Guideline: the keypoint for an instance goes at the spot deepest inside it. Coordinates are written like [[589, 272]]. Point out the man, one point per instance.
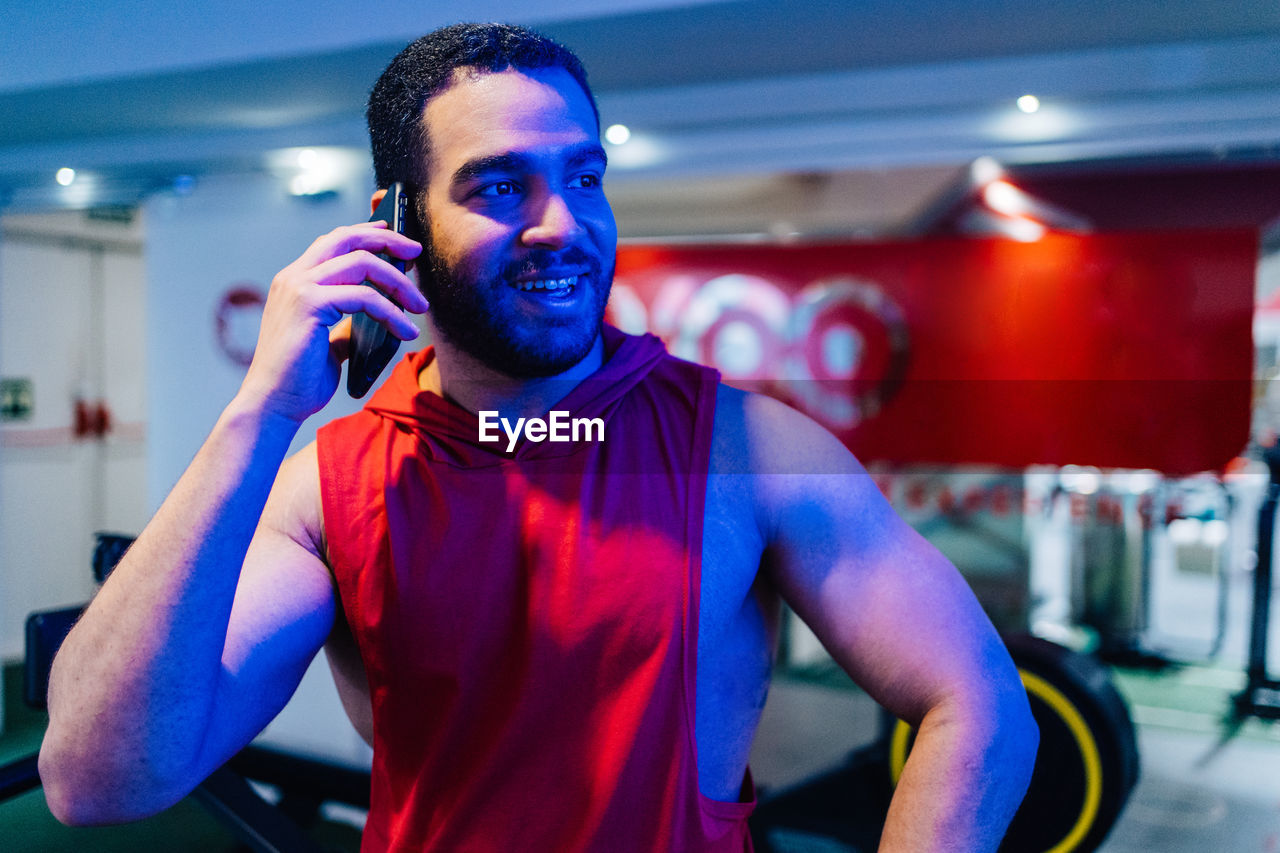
[[551, 646]]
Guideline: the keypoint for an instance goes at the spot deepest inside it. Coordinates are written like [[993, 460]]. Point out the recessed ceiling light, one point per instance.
[[617, 134], [306, 183]]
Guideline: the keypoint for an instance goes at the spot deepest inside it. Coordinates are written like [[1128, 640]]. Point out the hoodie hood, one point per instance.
[[451, 434]]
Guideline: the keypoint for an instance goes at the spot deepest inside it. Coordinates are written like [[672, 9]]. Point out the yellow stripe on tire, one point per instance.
[[1061, 705]]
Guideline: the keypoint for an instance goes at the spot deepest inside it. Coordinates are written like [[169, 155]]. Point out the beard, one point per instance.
[[478, 313]]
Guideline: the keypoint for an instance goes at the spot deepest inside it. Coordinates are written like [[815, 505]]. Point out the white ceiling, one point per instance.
[[139, 91]]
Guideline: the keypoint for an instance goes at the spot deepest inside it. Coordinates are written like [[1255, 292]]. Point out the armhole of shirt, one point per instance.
[[708, 382], [337, 491]]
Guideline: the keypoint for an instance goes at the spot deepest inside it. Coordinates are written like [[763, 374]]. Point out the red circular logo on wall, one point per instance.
[[237, 321]]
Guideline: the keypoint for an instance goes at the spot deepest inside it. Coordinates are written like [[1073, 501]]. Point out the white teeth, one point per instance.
[[548, 283]]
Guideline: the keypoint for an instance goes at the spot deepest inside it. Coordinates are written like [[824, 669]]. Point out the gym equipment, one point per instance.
[[1261, 695], [304, 784], [1122, 525], [1085, 770]]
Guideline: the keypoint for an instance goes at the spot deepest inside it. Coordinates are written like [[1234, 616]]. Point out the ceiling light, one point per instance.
[[1024, 230], [316, 170], [1004, 197], [640, 152], [617, 134], [1009, 200], [65, 176], [986, 223], [1028, 103], [306, 183], [984, 170]]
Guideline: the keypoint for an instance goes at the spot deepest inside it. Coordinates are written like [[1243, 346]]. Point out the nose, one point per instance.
[[553, 225]]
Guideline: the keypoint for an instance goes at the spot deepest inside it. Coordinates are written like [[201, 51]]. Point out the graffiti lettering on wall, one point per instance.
[[838, 349], [958, 492]]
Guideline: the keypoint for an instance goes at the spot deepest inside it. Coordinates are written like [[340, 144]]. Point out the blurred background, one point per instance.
[[1022, 257]]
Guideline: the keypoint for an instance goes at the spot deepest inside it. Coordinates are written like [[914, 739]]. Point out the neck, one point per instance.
[[458, 376]]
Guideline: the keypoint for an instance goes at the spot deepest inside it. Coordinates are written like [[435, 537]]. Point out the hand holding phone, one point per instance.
[[372, 346]]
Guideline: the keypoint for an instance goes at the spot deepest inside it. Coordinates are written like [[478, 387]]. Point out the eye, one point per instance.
[[586, 181], [501, 188]]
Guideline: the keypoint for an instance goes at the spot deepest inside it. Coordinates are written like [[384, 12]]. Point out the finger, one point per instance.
[[361, 266], [340, 339], [350, 298], [370, 236]]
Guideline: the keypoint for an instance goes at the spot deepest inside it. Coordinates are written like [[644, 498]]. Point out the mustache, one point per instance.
[[539, 260]]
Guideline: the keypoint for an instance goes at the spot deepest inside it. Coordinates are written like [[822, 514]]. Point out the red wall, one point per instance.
[[1118, 350]]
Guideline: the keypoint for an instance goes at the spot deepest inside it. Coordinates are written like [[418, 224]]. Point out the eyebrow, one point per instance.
[[516, 161]]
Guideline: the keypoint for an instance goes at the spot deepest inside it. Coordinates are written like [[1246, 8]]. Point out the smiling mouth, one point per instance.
[[549, 286]]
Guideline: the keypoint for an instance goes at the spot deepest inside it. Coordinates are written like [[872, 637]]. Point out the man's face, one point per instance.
[[520, 241]]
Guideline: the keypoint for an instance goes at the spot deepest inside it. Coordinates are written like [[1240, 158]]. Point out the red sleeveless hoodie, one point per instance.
[[528, 620]]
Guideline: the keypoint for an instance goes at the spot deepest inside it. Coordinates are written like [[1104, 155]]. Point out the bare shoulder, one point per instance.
[[758, 434], [798, 472]]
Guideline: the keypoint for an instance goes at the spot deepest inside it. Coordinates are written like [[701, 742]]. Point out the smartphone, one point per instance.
[[372, 346]]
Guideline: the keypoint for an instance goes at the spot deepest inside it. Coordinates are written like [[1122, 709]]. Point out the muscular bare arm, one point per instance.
[[183, 657], [902, 622]]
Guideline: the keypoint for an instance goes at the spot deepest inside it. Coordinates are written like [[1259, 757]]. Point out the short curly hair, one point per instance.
[[397, 135]]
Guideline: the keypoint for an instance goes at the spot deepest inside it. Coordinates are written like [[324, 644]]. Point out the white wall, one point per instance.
[[71, 320]]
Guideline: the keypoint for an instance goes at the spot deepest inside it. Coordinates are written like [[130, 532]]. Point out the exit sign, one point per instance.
[[16, 400]]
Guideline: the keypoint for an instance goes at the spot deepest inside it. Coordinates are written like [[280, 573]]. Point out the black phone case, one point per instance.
[[372, 346]]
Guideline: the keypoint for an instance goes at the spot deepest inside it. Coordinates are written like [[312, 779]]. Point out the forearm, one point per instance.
[[133, 692], [964, 779], [132, 688]]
